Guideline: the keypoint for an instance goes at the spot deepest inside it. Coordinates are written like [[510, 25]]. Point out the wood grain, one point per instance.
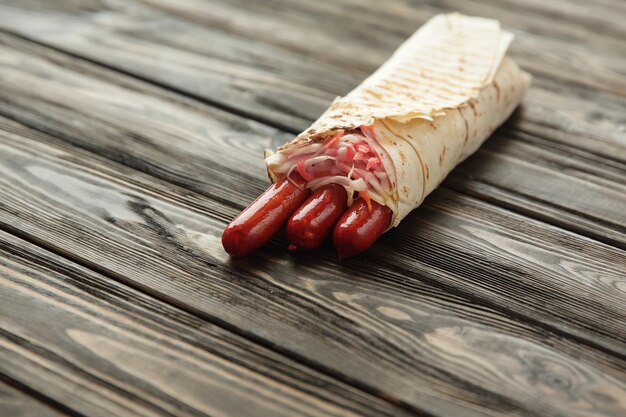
[[417, 335], [467, 309], [179, 149], [191, 161], [15, 403], [569, 126], [365, 26], [257, 49], [101, 348], [564, 190], [149, 132]]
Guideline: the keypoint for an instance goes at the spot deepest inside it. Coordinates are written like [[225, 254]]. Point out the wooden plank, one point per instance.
[[15, 403], [579, 120], [399, 313], [150, 132], [579, 191], [101, 348], [366, 26], [265, 68], [571, 192], [471, 286], [184, 161], [564, 114]]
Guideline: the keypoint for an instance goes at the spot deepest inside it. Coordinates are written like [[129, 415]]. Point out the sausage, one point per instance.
[[262, 219], [315, 219], [359, 227]]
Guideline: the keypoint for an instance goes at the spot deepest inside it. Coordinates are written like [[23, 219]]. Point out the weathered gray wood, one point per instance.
[[573, 119], [366, 25], [190, 144], [373, 32], [569, 191], [101, 348], [156, 132], [195, 160], [275, 64], [447, 333], [467, 309], [15, 403]]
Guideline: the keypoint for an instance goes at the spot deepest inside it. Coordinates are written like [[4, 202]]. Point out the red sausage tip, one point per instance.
[[359, 227], [232, 243], [264, 217], [309, 226]]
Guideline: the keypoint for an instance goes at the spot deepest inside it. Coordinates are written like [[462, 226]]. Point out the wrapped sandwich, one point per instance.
[[376, 153]]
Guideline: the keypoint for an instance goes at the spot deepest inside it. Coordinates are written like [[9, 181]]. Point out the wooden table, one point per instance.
[[131, 132]]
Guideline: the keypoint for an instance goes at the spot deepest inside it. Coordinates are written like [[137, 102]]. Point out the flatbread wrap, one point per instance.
[[393, 139]]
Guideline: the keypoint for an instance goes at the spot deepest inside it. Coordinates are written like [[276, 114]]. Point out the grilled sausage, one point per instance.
[[262, 219], [359, 227], [315, 219]]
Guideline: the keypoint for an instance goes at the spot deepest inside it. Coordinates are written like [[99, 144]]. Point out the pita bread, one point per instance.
[[431, 105]]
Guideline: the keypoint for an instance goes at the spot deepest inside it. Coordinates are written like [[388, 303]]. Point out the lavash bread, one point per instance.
[[432, 104]]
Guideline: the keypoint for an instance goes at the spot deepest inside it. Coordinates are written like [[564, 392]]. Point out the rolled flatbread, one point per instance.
[[397, 135]]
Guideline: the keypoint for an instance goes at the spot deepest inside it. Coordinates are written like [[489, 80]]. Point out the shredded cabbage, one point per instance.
[[344, 159]]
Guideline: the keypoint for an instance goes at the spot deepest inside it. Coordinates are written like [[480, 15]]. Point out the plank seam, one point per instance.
[[38, 396], [236, 112], [583, 156], [454, 175], [613, 159], [149, 303], [512, 314], [565, 227], [329, 372], [215, 104], [41, 351]]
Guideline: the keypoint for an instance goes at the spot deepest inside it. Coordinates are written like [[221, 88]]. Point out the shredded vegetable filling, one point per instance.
[[344, 159]]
